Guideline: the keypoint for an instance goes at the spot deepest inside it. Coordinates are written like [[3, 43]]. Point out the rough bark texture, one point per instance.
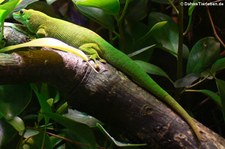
[[108, 95]]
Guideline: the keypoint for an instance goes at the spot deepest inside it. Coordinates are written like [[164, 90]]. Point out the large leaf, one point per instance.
[[9, 7], [12, 104], [155, 28], [203, 54], [82, 118], [221, 88], [17, 123], [83, 132], [111, 7], [141, 36], [167, 35], [14, 99], [5, 10]]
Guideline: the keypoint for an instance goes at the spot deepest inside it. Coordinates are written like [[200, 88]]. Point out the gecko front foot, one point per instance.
[[90, 49]]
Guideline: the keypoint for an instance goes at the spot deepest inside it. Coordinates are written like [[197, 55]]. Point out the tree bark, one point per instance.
[[108, 95]]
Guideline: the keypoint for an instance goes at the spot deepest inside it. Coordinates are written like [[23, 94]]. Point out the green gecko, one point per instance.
[[96, 48]]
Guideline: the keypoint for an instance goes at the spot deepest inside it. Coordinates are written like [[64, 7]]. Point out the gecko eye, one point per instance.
[[21, 12]]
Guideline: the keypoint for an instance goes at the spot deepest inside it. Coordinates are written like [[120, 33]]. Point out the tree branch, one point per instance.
[[108, 95]]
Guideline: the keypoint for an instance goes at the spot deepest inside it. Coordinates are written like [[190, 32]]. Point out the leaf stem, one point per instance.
[[120, 25], [124, 11], [180, 42]]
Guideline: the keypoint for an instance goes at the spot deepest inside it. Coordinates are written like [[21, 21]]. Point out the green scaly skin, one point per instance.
[[95, 47]]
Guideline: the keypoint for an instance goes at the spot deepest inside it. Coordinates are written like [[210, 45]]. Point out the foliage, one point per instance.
[[5, 10], [135, 30]]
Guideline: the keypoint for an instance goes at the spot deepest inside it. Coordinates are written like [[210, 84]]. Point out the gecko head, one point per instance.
[[22, 16], [30, 18]]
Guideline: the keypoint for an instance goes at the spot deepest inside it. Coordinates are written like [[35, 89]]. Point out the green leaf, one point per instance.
[[186, 81], [30, 133], [17, 123], [44, 91], [154, 29], [9, 7], [111, 7], [13, 103], [218, 65], [167, 35], [152, 69], [117, 143], [82, 118], [83, 132], [155, 17], [221, 88], [203, 54], [5, 10], [63, 108], [214, 96], [42, 101]]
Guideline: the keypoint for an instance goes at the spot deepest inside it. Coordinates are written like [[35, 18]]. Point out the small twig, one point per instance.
[[63, 138], [197, 83], [214, 31], [124, 11]]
